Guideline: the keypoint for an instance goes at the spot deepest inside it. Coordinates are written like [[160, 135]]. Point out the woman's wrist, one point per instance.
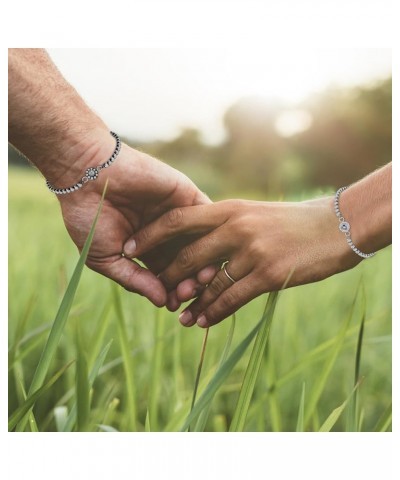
[[367, 207]]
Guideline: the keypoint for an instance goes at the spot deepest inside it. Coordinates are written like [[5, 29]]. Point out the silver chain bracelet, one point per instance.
[[90, 174], [345, 227]]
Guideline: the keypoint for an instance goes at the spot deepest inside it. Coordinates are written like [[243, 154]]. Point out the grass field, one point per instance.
[[147, 378]]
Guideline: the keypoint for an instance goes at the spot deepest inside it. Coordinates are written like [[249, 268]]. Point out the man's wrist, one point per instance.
[[90, 149]]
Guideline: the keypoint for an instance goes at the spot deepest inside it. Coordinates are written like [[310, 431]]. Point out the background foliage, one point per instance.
[[147, 379]]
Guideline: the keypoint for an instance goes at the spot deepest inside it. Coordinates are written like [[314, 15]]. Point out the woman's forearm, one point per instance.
[[367, 206]]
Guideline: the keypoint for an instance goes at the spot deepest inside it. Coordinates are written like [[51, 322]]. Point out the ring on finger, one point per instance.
[[226, 273]]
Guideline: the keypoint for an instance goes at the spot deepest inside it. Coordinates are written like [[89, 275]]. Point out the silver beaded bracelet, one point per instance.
[[90, 174], [345, 227]]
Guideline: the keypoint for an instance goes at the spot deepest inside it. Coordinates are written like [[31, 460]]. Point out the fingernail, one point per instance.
[[130, 247], [185, 317], [202, 321]]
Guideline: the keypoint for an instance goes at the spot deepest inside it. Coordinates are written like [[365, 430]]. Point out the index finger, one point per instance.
[[183, 220]]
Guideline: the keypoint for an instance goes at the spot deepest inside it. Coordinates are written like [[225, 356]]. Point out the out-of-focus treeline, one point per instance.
[[349, 136]]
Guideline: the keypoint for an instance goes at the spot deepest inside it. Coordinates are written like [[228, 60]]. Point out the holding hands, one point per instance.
[[155, 213], [264, 244]]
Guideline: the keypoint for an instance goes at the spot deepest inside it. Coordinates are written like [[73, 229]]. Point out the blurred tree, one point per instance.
[[253, 151], [351, 134]]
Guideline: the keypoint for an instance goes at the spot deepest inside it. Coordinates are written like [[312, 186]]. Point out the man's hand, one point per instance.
[[140, 189], [52, 126]]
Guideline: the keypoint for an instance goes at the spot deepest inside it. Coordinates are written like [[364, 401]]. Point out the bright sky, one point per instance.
[[152, 93]]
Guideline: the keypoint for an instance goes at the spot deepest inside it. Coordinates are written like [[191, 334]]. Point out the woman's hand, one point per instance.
[[263, 242]]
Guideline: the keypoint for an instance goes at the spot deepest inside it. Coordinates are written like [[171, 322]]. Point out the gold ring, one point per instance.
[[227, 274]]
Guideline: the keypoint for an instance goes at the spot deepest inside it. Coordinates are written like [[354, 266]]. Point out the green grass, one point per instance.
[[136, 367]]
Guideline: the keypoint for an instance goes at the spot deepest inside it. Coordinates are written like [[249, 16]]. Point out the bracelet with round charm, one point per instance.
[[90, 174], [344, 227]]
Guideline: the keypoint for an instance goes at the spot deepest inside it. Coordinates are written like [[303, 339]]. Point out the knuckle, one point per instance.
[[257, 248], [185, 258], [228, 300], [143, 237], [174, 218], [216, 286], [271, 278]]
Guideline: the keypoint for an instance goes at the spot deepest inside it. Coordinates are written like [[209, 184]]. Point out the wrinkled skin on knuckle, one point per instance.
[[270, 277], [216, 286], [143, 238], [228, 301], [185, 258], [174, 218]]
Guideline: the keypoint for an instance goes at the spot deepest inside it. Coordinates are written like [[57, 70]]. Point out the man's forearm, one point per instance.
[[49, 122]]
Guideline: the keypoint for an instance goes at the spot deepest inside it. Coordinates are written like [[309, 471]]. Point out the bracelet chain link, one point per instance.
[[345, 227], [91, 173]]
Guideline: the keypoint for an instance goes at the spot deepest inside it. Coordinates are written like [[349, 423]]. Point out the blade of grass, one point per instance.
[[62, 314], [107, 428], [181, 413], [353, 423], [20, 328], [221, 374], [318, 353], [60, 417], [384, 421], [32, 421], [21, 411], [203, 417], [24, 352], [300, 416], [82, 387], [197, 380], [272, 397], [253, 367], [334, 416], [127, 361], [101, 328], [327, 367], [177, 370], [156, 369], [110, 412], [70, 422], [147, 427]]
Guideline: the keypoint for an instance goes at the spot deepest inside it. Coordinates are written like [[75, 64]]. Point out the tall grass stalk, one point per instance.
[[71, 419], [300, 416], [156, 372], [354, 416], [334, 416], [253, 367], [319, 385], [127, 361], [221, 374], [199, 368], [62, 315], [385, 420], [203, 417], [82, 385], [22, 411]]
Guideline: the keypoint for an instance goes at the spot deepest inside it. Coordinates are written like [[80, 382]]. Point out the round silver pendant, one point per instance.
[[92, 173], [344, 227]]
